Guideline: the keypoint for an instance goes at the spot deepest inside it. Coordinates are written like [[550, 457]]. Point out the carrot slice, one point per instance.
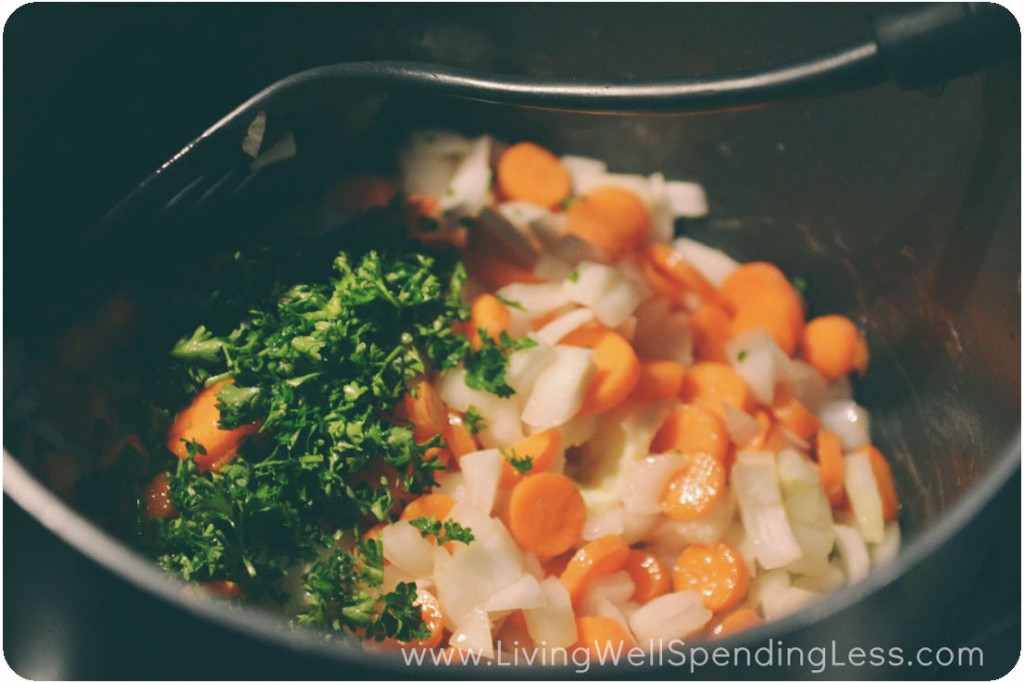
[[616, 368], [487, 313], [718, 573], [830, 466], [599, 635], [649, 575], [458, 437], [229, 590], [886, 486], [546, 514], [200, 423], [695, 489], [711, 384], [436, 505], [659, 379], [541, 448], [794, 415], [750, 281], [425, 410], [692, 429], [156, 501], [780, 313], [711, 332], [769, 436], [597, 558], [659, 283], [610, 218], [430, 609], [359, 192], [833, 346], [735, 622], [531, 173], [681, 272]]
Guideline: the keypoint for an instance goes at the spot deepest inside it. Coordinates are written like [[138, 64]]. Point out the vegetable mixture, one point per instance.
[[518, 410]]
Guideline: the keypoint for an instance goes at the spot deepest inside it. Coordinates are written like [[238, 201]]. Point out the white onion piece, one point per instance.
[[537, 300], [474, 634], [392, 577], [791, 600], [663, 333], [646, 480], [600, 606], [617, 588], [592, 282], [473, 573], [756, 357], [452, 389], [852, 552], [713, 264], [767, 587], [424, 174], [742, 427], [471, 517], [525, 366], [756, 486], [525, 593], [865, 501], [554, 331], [481, 471], [736, 536], [849, 422], [553, 625], [618, 303], [838, 389], [808, 511], [578, 430], [552, 268], [886, 551], [451, 484], [406, 548], [686, 200], [469, 187], [831, 578], [804, 383], [533, 566], [637, 528], [669, 617], [501, 415], [522, 214], [604, 522], [583, 167], [558, 392], [706, 530]]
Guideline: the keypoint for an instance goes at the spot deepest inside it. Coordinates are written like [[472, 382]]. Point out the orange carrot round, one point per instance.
[[616, 368], [422, 407], [659, 379], [681, 272], [649, 575], [458, 437], [794, 415], [692, 429], [886, 486], [597, 558], [659, 283], [529, 172], [832, 345], [610, 218], [546, 514], [750, 281], [599, 635], [711, 331], [779, 313], [718, 573], [830, 466], [695, 489], [741, 620], [541, 448], [436, 505], [487, 313], [228, 590], [199, 422], [712, 384], [156, 501]]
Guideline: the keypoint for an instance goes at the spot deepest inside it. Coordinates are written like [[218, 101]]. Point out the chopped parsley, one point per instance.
[[569, 201], [522, 465], [799, 284], [574, 276], [443, 531], [742, 355], [473, 420], [485, 368], [508, 302]]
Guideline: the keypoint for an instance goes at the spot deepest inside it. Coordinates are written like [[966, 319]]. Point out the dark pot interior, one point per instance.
[[900, 210]]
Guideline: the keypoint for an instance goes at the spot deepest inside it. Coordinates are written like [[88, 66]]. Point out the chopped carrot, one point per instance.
[[711, 326], [541, 448], [610, 218], [546, 514], [600, 557], [780, 313], [458, 437], [832, 345], [659, 379], [156, 499], [420, 215], [741, 620], [830, 466], [794, 415], [886, 486], [422, 407], [224, 589], [200, 423], [694, 490], [769, 436], [430, 609], [598, 635], [681, 272], [718, 573], [487, 313], [649, 575], [557, 564], [528, 172], [712, 384], [692, 429], [436, 505], [616, 368], [750, 281], [360, 192], [659, 283]]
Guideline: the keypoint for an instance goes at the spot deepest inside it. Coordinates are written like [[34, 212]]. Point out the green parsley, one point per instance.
[[521, 465], [574, 276], [742, 355], [569, 201], [473, 420], [799, 284], [443, 532], [486, 367], [511, 304]]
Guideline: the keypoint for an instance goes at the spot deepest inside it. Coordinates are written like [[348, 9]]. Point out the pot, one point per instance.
[[900, 210]]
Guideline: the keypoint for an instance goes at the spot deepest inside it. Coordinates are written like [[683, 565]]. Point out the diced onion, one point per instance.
[[713, 264], [865, 501], [849, 422], [852, 552], [553, 625], [669, 617], [406, 548], [756, 486], [646, 481], [554, 331], [481, 471], [558, 392]]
